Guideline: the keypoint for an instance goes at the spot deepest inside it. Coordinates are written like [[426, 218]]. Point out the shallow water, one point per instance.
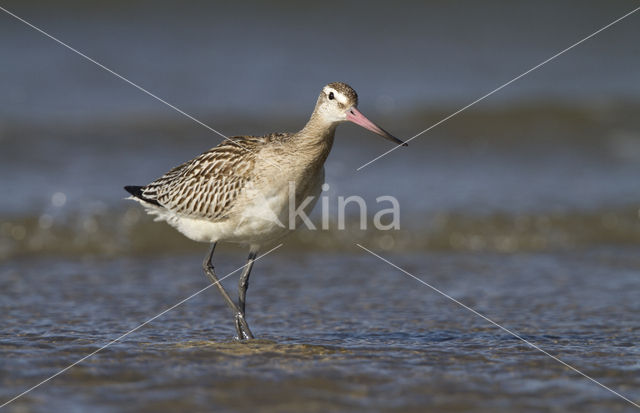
[[526, 207], [336, 332]]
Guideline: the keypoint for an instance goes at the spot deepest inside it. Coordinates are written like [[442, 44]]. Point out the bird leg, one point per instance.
[[242, 328], [243, 283]]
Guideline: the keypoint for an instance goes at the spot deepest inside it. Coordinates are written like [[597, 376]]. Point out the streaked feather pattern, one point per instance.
[[206, 186]]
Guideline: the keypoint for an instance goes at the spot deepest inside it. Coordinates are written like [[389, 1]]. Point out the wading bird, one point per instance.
[[240, 190]]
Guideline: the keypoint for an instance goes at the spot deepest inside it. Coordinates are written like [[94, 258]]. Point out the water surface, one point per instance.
[[526, 208], [336, 332]]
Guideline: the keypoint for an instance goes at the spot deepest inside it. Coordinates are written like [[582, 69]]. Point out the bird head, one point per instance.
[[338, 103]]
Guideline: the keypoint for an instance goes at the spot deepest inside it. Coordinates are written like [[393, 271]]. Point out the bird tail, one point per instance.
[[136, 192]]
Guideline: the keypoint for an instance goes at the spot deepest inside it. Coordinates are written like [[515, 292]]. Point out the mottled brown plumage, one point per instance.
[[206, 186]]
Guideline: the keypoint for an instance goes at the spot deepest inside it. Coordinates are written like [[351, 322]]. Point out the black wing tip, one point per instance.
[[136, 191]]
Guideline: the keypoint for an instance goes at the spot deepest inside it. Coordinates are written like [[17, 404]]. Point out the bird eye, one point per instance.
[[330, 95]]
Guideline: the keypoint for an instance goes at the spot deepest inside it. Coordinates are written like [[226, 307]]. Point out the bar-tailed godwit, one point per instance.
[[239, 191]]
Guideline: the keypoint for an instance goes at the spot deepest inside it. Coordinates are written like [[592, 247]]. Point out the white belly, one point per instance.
[[259, 216]]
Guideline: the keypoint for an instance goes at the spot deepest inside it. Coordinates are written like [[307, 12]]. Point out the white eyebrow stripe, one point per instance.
[[341, 98]]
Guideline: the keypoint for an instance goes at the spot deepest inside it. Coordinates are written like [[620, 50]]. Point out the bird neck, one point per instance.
[[316, 138]]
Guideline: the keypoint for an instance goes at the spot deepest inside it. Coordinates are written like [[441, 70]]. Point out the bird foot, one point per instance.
[[242, 328]]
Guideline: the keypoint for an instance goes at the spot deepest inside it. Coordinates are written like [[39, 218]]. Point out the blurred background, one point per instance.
[[534, 190], [552, 160]]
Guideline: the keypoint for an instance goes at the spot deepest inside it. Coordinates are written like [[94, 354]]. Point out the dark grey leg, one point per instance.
[[243, 283], [242, 328]]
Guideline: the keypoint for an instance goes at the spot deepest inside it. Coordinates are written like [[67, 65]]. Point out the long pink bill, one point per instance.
[[355, 116]]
